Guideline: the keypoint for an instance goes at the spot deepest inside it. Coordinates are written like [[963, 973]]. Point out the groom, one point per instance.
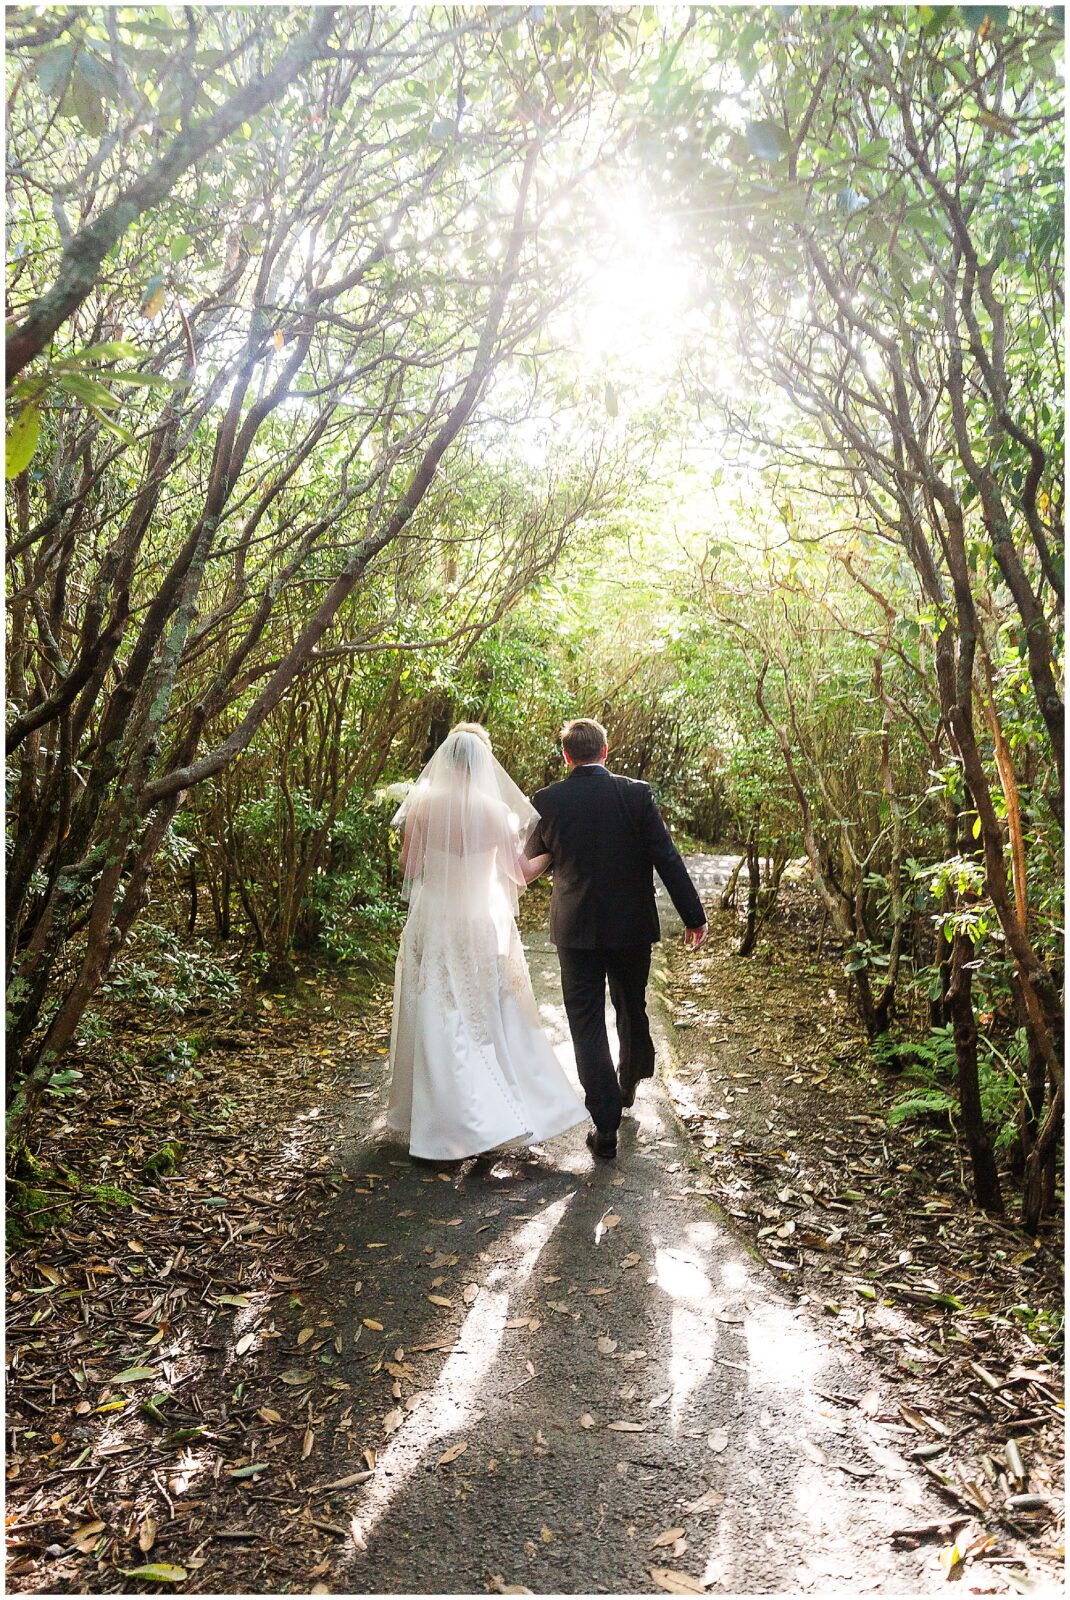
[[605, 835]]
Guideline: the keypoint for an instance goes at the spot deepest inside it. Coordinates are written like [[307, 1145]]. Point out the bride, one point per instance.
[[471, 1067]]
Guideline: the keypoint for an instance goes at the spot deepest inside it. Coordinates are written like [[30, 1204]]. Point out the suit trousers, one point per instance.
[[584, 974]]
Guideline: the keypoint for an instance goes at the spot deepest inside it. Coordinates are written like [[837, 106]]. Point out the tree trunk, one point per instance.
[[728, 893], [986, 1186], [754, 883]]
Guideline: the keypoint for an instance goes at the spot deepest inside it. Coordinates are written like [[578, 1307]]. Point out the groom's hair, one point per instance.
[[583, 740]]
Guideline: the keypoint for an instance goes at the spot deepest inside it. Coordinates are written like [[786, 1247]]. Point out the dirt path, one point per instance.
[[529, 1371], [624, 1369]]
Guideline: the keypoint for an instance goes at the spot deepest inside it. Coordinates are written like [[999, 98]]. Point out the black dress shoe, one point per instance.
[[627, 1092], [602, 1144]]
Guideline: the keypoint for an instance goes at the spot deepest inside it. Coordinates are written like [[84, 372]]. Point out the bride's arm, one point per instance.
[[534, 866], [412, 848]]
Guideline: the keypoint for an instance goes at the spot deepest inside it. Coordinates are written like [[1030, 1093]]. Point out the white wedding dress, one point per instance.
[[471, 1068]]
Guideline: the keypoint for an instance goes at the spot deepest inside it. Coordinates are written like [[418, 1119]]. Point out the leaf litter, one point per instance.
[[869, 1229]]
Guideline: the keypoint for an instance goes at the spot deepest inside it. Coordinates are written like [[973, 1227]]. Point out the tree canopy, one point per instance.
[[695, 368]]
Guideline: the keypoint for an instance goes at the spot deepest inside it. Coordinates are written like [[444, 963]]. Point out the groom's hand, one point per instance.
[[694, 937]]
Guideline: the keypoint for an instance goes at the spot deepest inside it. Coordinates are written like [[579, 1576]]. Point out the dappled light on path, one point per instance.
[[457, 1399], [694, 1330]]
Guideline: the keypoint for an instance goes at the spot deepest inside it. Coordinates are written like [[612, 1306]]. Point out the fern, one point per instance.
[[922, 1103]]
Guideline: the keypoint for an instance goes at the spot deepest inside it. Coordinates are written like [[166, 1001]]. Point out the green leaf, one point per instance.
[[184, 1435], [22, 439], [87, 390], [136, 1375], [85, 102], [156, 1572], [54, 70], [111, 350], [611, 400], [247, 1472], [768, 140], [113, 427], [179, 246], [97, 73], [985, 17], [145, 380]]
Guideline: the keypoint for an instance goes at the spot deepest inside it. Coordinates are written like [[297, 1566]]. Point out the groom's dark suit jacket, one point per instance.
[[606, 837]]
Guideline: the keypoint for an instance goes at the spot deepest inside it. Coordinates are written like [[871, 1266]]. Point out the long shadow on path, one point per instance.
[[609, 1365]]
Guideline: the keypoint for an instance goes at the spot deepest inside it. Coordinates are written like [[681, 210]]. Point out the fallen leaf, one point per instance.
[[628, 1427], [245, 1343], [546, 1534], [441, 1300], [84, 1538], [156, 1572], [307, 1443], [146, 1537], [949, 1558], [676, 1582], [610, 1220], [393, 1420], [370, 1322], [305, 1335], [718, 1440], [470, 1292], [606, 1345], [347, 1482], [136, 1375], [920, 1423], [497, 1585], [586, 1420], [452, 1453], [669, 1536], [815, 1452], [707, 1501]]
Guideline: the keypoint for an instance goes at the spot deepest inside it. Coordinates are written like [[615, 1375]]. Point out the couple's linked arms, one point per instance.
[[669, 865], [534, 866]]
